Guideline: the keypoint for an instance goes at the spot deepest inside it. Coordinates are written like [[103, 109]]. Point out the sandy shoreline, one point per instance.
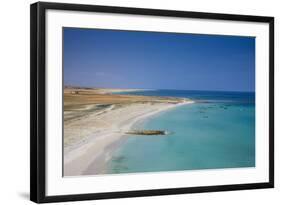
[[89, 139]]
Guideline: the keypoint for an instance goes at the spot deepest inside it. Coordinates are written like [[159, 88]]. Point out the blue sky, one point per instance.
[[153, 60]]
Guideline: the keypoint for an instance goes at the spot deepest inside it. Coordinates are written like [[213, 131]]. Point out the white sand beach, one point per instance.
[[90, 135]]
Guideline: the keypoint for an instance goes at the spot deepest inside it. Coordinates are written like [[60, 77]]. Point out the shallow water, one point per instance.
[[216, 132]]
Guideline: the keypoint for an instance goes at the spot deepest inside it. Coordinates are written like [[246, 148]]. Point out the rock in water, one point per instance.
[[147, 132]]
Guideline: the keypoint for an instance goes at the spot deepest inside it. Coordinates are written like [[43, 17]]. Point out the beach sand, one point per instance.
[[95, 122]]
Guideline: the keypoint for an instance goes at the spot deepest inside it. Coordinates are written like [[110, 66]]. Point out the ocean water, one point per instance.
[[218, 131]]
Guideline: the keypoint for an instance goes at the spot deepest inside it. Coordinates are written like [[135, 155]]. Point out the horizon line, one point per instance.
[[92, 87]]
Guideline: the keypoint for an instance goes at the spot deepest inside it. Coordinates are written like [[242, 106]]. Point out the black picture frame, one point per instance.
[[38, 103]]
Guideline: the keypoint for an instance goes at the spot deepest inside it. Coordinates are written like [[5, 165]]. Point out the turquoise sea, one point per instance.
[[218, 131]]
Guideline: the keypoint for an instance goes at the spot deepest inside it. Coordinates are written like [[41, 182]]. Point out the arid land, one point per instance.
[[96, 120]]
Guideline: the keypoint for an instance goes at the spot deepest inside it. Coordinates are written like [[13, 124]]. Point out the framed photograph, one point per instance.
[[129, 102]]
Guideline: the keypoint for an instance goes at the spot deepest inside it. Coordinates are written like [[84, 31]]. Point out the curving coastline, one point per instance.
[[95, 123]]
